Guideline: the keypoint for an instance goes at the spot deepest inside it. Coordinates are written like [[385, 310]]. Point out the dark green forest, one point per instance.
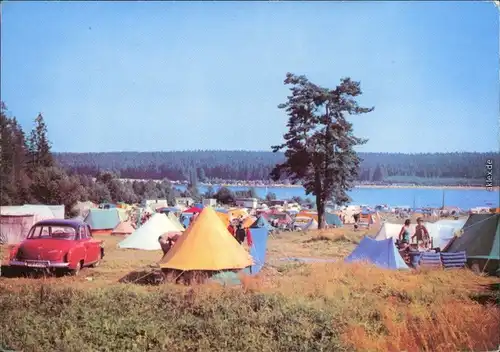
[[439, 168], [31, 173]]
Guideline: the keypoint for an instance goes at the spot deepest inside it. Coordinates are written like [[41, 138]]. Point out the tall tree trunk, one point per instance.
[[320, 205]]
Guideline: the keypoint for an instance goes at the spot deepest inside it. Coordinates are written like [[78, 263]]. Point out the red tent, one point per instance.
[[193, 210]]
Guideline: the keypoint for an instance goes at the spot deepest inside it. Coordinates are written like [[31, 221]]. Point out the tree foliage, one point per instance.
[[431, 168], [225, 196], [319, 144], [29, 174]]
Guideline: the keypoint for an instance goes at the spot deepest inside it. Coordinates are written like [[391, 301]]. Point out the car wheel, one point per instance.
[[76, 270]]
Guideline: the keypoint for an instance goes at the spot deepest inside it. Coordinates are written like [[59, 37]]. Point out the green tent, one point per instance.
[[333, 219], [480, 239], [104, 219]]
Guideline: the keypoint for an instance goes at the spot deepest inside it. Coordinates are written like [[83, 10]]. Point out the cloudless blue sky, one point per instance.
[[150, 76]]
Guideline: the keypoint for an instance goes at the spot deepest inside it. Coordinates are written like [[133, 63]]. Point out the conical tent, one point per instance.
[[226, 220], [480, 238], [248, 221], [382, 253], [175, 220], [261, 222], [123, 228], [206, 245], [146, 236]]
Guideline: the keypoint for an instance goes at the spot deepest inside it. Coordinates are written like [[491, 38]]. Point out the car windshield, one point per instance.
[[53, 231]]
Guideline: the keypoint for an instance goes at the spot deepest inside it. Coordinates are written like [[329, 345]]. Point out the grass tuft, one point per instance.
[[286, 307]]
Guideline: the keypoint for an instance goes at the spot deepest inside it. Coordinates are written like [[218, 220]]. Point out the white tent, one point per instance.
[[57, 210], [440, 234], [41, 212], [390, 230], [443, 231], [16, 221], [175, 220], [146, 236]]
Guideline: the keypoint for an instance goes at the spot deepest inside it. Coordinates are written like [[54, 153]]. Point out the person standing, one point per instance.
[[404, 234], [356, 220], [421, 234]]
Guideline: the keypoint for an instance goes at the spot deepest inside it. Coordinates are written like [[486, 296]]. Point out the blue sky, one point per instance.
[[175, 76]]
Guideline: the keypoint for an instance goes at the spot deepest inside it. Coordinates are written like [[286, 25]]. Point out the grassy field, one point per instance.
[[287, 307]]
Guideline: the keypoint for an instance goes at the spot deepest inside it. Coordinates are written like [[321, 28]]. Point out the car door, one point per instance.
[[94, 249], [84, 242]]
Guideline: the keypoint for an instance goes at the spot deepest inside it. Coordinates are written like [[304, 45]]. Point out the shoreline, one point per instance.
[[462, 188]]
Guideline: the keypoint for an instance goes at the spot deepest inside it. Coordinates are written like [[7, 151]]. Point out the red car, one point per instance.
[[58, 245]]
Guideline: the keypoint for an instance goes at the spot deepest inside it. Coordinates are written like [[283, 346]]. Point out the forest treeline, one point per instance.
[[455, 168], [30, 174]]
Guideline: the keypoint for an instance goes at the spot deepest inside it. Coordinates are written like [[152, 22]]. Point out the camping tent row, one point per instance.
[[206, 245], [478, 237], [331, 219]]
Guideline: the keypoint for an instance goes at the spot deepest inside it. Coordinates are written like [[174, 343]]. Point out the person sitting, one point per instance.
[[404, 235], [167, 242], [421, 234]]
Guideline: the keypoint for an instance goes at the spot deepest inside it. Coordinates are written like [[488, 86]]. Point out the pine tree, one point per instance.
[[201, 175], [39, 146], [319, 145]]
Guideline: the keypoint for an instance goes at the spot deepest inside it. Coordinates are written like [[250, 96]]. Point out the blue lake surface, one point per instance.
[[421, 197]]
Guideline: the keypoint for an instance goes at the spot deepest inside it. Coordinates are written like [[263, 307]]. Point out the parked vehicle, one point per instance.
[[58, 246]]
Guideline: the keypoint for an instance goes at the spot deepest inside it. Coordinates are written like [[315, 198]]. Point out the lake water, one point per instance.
[[464, 199]]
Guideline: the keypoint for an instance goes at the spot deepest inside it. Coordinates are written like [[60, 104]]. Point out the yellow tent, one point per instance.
[[206, 245], [225, 218]]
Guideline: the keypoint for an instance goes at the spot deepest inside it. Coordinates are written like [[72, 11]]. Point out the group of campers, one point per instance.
[[239, 232], [423, 239]]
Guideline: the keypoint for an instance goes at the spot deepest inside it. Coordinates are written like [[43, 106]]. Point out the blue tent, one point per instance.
[[198, 205], [261, 222], [382, 253], [259, 231]]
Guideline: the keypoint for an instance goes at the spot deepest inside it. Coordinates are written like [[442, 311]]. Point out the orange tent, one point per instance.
[[226, 220], [235, 213], [206, 245], [308, 215], [248, 221]]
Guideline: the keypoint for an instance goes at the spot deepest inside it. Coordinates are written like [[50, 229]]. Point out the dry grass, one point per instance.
[[287, 307]]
